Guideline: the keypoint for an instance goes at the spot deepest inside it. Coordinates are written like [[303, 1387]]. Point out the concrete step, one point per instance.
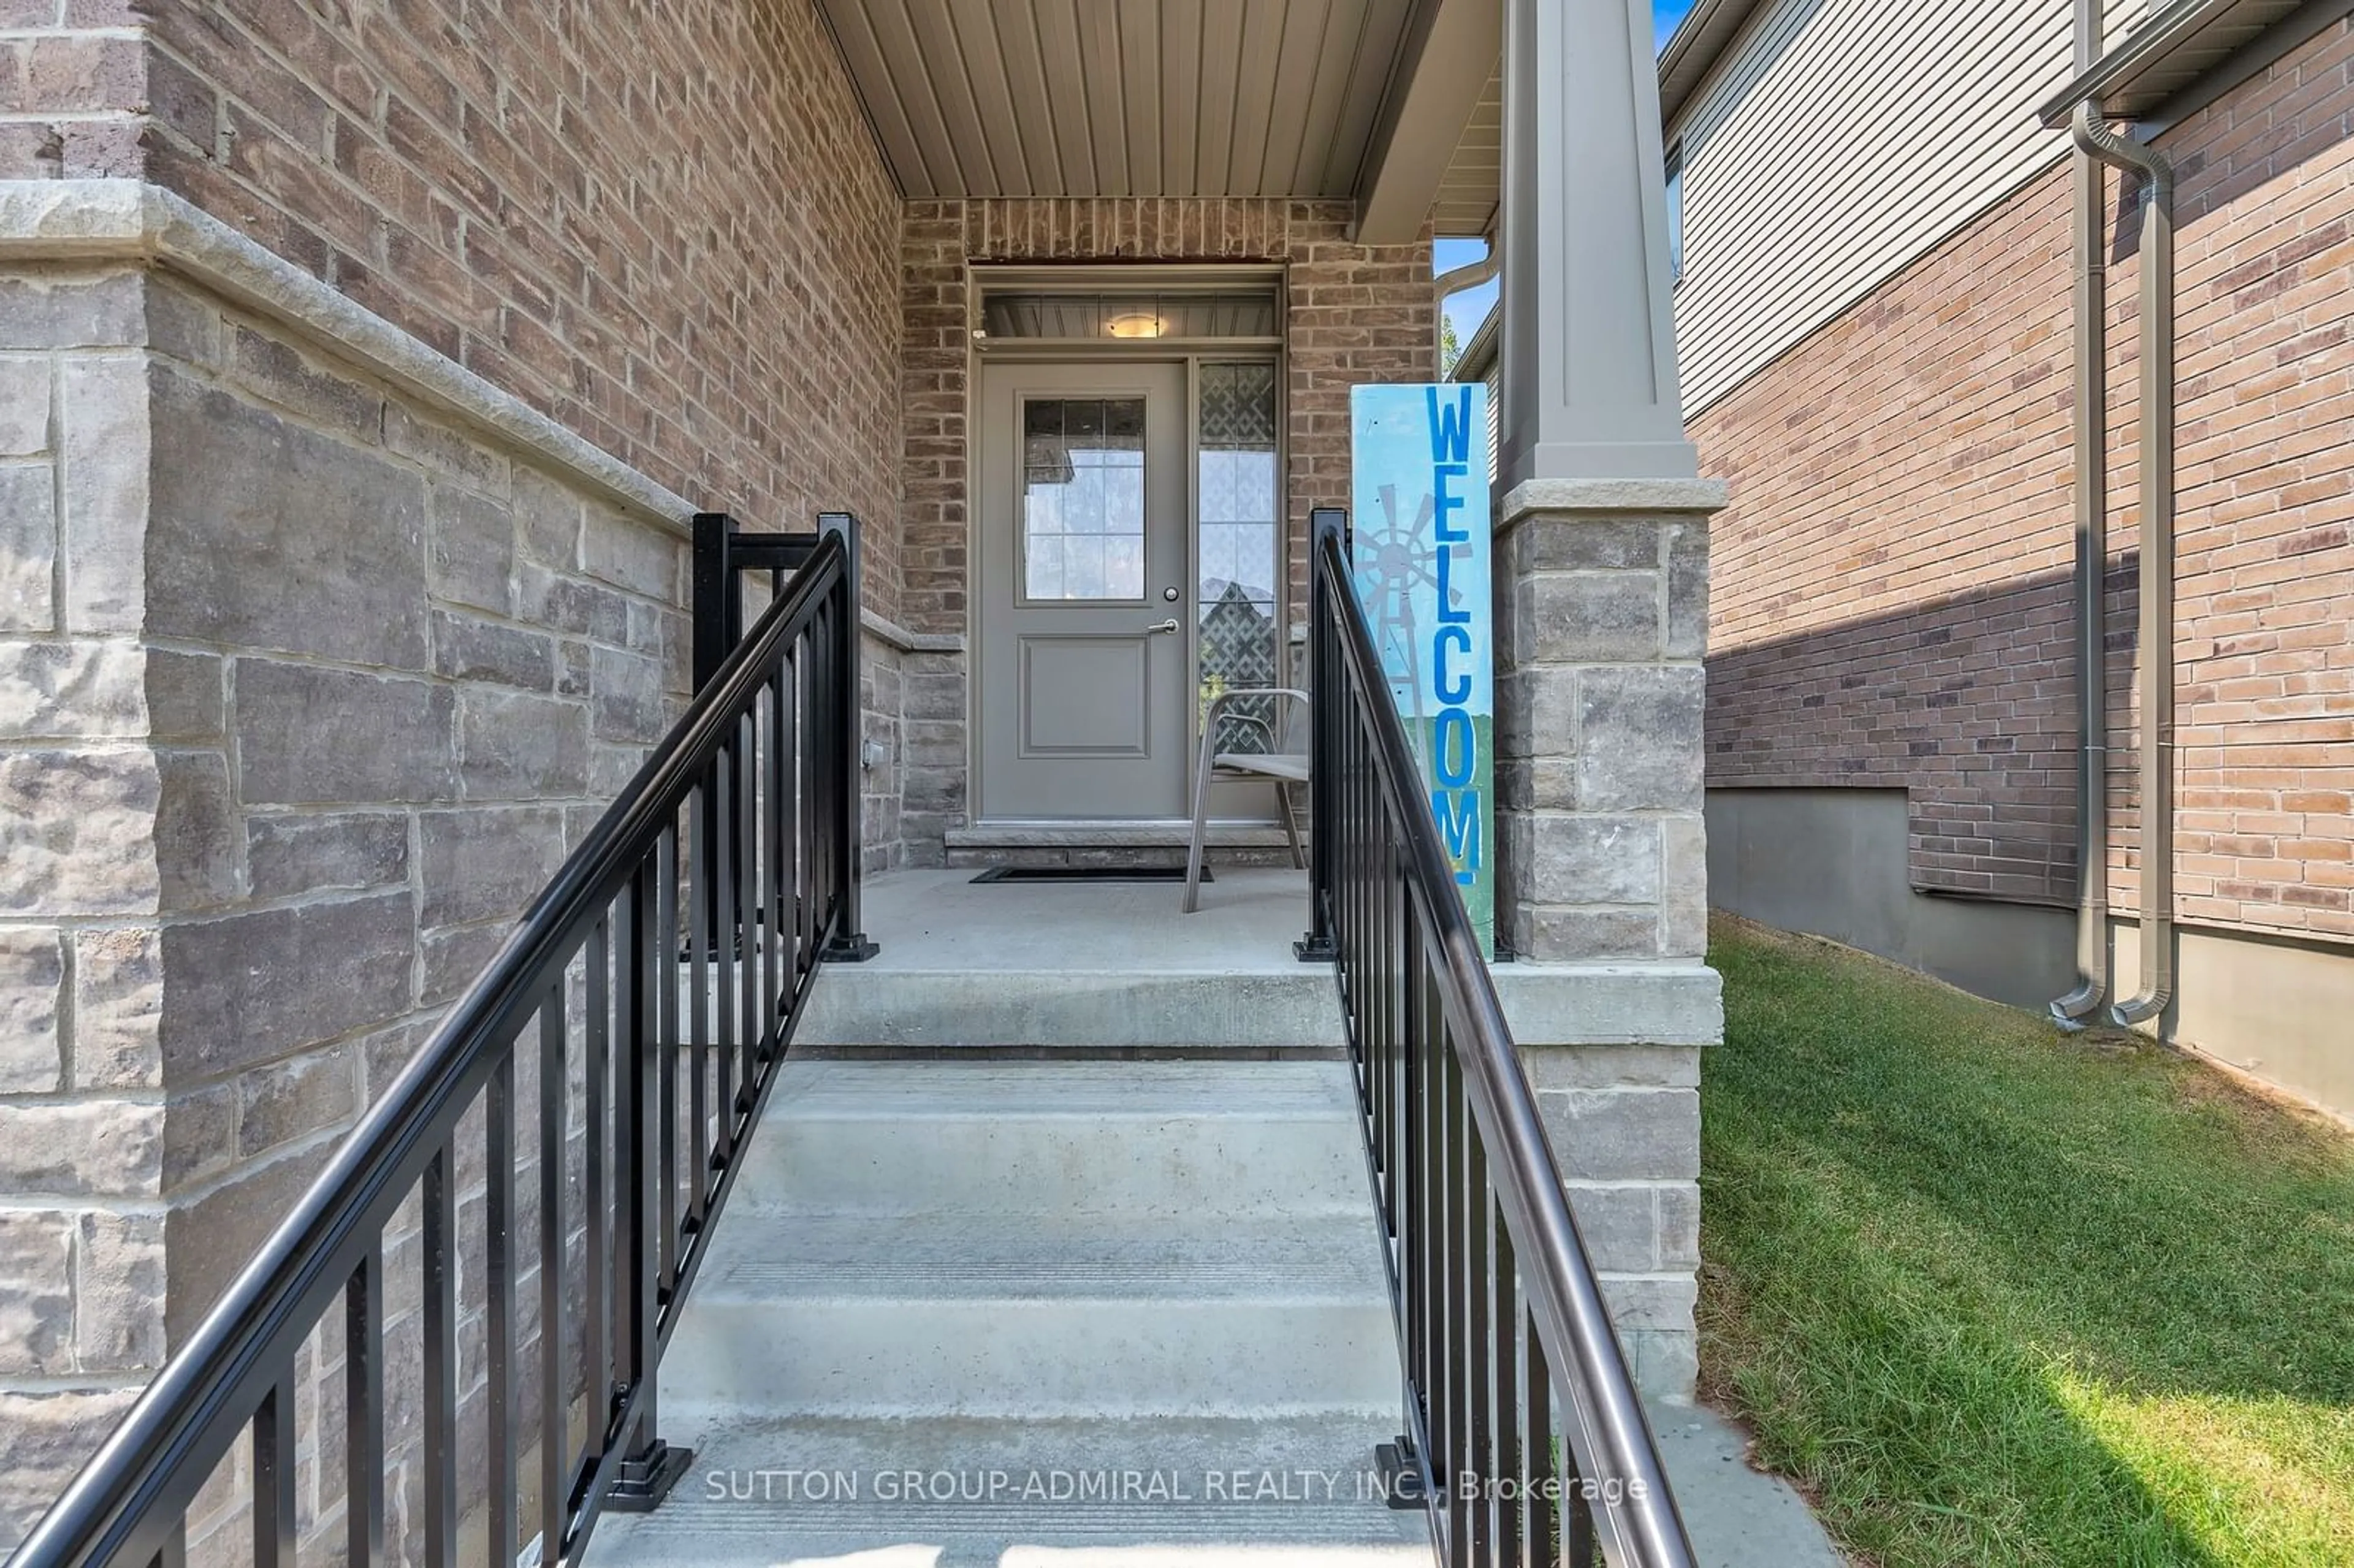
[[1047, 1009], [1057, 1314], [1196, 1141], [1138, 1280], [963, 1492]]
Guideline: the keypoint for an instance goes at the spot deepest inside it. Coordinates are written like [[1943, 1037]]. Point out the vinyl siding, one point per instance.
[[1839, 141]]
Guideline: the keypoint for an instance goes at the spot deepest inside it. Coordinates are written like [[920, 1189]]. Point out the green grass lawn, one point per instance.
[[1994, 1295]]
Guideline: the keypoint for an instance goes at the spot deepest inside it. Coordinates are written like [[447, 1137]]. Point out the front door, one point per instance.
[[1082, 645]]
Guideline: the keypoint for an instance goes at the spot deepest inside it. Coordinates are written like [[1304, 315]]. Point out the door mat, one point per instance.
[[1087, 873]]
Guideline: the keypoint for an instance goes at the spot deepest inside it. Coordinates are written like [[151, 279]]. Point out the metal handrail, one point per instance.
[[772, 822], [1494, 1290]]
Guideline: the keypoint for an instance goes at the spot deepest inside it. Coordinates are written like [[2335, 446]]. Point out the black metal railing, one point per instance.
[[1525, 1431], [617, 1053]]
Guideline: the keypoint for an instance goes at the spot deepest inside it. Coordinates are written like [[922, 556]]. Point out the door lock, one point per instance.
[[1167, 625]]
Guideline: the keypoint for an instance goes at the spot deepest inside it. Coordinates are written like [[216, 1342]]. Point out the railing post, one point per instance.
[[849, 944], [649, 1467], [1324, 751], [718, 600], [716, 596]]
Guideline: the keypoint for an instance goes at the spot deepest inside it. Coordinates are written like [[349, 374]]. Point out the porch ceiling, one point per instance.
[[1118, 98], [1473, 183]]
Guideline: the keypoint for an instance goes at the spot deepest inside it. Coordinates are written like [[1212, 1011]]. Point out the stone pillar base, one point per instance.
[[1601, 620]]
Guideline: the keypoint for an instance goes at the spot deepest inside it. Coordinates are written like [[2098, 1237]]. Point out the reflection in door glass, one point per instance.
[[1083, 498], [1241, 533]]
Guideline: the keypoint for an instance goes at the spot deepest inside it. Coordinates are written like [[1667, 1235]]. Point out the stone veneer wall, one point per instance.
[[1352, 314], [310, 690]]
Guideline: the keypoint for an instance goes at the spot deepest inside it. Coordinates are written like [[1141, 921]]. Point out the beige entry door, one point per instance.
[[1084, 614]]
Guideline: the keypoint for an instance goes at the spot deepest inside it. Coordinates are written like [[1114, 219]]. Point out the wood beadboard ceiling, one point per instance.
[[1120, 98]]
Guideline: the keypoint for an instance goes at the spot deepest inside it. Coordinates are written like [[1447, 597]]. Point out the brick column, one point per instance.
[[1601, 617]]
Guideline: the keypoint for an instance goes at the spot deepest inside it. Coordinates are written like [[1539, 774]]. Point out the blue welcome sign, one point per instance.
[[1419, 519]]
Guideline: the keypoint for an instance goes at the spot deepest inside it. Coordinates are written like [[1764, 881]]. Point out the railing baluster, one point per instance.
[[724, 825], [776, 968], [628, 958], [1546, 1539], [440, 1245], [1478, 1349], [498, 1275], [1460, 1265], [1578, 1544], [555, 1426], [698, 1001], [658, 957], [822, 703], [274, 1446], [364, 1411], [1512, 1462], [811, 740], [748, 901], [1430, 1199], [790, 858]]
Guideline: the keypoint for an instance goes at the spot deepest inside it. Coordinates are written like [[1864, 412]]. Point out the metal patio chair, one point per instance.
[[1284, 765]]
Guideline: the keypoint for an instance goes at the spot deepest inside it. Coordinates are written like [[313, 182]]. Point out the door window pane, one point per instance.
[[1241, 532], [1083, 498]]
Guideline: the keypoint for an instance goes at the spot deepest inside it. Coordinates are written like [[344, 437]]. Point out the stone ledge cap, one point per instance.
[[1665, 1002], [132, 220], [1617, 497], [891, 634]]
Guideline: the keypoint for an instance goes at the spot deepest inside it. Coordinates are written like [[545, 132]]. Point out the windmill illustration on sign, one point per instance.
[[1393, 561]]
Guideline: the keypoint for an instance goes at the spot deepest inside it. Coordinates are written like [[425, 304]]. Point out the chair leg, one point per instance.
[[1290, 824], [1201, 826]]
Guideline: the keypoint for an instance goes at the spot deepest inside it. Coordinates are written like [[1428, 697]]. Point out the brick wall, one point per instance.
[[72, 76], [2265, 483], [1353, 314], [1891, 582], [711, 297], [1892, 588]]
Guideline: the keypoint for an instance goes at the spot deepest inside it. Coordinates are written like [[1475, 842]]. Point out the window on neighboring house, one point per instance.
[[1676, 213]]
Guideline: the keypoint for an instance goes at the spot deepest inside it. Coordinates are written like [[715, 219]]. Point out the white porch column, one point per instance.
[[1601, 614], [1589, 355]]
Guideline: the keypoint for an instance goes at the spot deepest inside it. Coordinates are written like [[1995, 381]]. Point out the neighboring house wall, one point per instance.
[[1893, 597], [1894, 579], [1837, 143], [1352, 314]]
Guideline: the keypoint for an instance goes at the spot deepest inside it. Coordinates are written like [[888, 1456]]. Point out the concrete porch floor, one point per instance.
[[1098, 965]]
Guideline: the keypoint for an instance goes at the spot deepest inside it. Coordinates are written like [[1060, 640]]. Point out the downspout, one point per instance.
[[2091, 293], [2157, 485], [1471, 275]]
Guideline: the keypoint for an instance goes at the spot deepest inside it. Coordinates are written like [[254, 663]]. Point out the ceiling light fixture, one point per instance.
[[1136, 323]]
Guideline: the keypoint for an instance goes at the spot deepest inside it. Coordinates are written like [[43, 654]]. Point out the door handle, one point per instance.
[[1167, 625]]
